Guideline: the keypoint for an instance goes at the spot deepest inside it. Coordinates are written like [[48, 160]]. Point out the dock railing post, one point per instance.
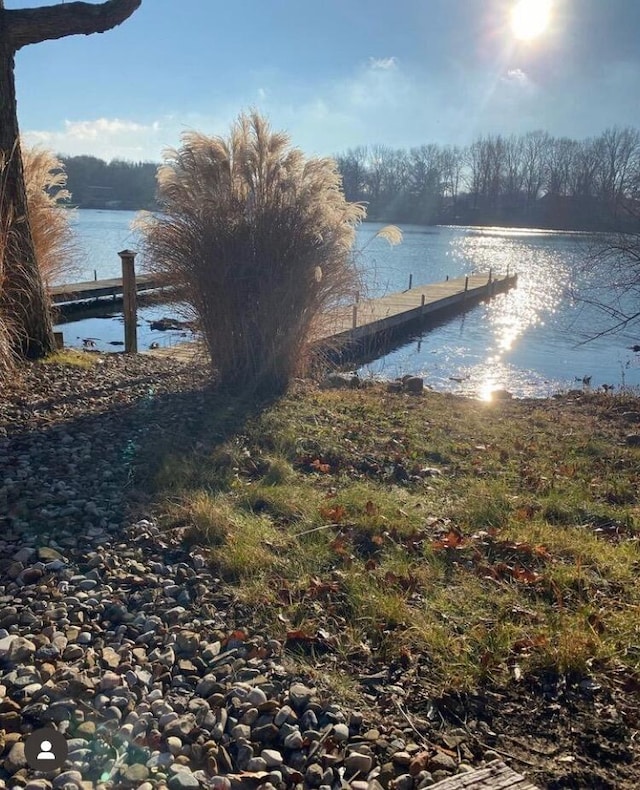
[[355, 316], [410, 281], [129, 301], [422, 301], [490, 276]]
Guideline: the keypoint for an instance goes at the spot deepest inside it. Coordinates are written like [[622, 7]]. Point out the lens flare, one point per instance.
[[530, 18]]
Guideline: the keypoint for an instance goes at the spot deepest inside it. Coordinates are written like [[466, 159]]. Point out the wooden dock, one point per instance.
[[92, 290], [353, 332], [350, 329]]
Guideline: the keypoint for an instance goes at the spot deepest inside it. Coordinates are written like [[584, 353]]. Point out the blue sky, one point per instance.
[[333, 73]]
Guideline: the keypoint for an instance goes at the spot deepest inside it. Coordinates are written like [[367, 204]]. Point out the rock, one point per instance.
[[442, 762], [313, 775], [341, 732], [174, 744], [256, 764], [48, 554], [71, 778], [294, 740], [136, 773], [300, 696], [183, 780], [401, 758], [632, 440], [16, 759], [272, 758], [413, 384], [501, 395], [403, 782], [257, 697], [16, 649], [357, 763], [188, 643]]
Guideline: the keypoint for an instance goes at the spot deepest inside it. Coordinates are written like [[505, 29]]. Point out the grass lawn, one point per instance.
[[467, 545]]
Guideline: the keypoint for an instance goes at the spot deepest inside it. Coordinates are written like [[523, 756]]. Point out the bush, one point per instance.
[[257, 239]]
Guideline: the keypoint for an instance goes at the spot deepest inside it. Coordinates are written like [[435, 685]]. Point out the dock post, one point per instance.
[[129, 301], [490, 275], [507, 271], [355, 316], [466, 286], [95, 275], [410, 281], [422, 301]]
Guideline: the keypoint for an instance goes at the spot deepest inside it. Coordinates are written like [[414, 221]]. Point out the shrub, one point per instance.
[[257, 240]]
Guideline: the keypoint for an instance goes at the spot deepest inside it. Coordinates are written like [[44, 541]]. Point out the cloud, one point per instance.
[[383, 64], [515, 77], [107, 138]]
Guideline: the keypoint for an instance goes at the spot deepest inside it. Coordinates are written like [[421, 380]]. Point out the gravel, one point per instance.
[[120, 636]]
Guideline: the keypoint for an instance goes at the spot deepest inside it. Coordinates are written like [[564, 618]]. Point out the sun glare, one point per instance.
[[530, 18]]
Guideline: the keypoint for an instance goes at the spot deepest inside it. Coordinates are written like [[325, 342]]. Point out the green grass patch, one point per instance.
[[483, 541]]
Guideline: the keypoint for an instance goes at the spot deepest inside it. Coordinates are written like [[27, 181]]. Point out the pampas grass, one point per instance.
[[56, 254], [45, 182], [257, 239]]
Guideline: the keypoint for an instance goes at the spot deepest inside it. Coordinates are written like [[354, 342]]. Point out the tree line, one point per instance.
[[94, 183], [531, 179]]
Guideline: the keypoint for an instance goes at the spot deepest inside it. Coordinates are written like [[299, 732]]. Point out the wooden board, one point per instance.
[[496, 776], [96, 289]]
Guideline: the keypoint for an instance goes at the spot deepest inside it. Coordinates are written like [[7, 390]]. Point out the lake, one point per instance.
[[530, 341]]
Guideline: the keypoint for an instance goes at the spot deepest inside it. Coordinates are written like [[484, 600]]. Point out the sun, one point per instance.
[[530, 18]]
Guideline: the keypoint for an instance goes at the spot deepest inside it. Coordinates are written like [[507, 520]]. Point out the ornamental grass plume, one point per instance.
[[45, 182], [257, 239]]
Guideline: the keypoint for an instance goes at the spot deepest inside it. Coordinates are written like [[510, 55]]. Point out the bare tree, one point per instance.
[[23, 295]]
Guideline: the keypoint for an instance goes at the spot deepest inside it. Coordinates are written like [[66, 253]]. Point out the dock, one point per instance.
[[352, 330], [361, 330], [92, 290]]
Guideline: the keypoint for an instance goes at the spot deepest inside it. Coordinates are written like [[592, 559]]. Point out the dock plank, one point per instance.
[[97, 289], [496, 776]]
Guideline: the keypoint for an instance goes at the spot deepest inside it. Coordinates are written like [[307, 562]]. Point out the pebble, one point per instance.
[[357, 763], [132, 619], [272, 758]]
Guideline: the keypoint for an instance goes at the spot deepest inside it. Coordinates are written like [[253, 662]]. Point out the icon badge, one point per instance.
[[46, 750]]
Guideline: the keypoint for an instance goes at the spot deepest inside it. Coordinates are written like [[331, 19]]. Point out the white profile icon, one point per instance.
[[46, 753]]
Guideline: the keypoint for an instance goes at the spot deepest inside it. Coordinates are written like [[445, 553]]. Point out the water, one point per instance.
[[529, 341]]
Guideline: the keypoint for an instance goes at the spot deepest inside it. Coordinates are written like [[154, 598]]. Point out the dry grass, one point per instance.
[[52, 237], [257, 238], [45, 181]]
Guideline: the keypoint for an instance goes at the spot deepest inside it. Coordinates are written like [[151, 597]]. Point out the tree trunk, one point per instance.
[[23, 299]]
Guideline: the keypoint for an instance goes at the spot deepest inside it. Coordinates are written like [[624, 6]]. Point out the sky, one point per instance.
[[334, 74]]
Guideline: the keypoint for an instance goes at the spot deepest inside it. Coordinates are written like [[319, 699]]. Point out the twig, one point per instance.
[[405, 715]]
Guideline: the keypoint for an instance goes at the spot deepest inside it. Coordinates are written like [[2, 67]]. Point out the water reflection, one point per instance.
[[525, 341]]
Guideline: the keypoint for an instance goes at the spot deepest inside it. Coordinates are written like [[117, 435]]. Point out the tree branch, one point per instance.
[[32, 25]]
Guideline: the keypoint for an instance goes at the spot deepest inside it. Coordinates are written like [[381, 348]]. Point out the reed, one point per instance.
[[257, 239]]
